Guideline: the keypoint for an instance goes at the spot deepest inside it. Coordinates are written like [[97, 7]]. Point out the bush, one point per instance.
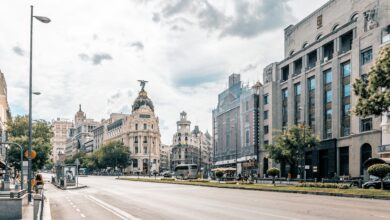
[[219, 174], [273, 171], [324, 185], [199, 181], [167, 179], [379, 170]]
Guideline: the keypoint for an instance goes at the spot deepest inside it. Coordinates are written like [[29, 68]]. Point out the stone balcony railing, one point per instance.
[[384, 149]]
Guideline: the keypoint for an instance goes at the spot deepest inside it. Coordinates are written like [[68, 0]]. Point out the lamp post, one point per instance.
[[303, 171], [43, 20]]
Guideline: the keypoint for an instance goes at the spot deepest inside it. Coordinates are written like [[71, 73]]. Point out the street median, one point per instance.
[[341, 191]]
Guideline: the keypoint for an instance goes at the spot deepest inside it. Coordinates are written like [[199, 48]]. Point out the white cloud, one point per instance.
[[94, 51]]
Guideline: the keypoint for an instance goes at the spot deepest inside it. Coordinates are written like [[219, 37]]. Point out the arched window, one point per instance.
[[365, 154], [354, 16]]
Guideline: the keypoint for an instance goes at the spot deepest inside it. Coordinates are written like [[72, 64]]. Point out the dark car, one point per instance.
[[376, 184]]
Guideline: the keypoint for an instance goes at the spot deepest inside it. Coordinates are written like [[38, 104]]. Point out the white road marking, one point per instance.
[[82, 215], [116, 211]]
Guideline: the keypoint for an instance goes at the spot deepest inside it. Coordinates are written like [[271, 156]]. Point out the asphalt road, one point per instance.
[[109, 199]]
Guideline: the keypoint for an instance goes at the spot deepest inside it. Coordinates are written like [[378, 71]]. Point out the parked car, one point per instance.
[[166, 174], [376, 184]]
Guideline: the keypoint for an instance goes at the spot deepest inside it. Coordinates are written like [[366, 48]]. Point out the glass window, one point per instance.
[[366, 56], [347, 90], [328, 96], [247, 136], [266, 129], [347, 109], [265, 99], [136, 126], [328, 76], [346, 68], [145, 126], [265, 115], [284, 93], [297, 88], [366, 124], [312, 83]]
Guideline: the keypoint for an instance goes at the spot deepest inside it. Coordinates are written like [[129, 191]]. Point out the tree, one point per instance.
[[273, 172], [79, 155], [17, 130], [113, 154], [219, 175], [379, 170], [374, 91], [289, 147]]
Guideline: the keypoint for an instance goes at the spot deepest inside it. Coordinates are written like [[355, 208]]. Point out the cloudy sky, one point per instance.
[[94, 51]]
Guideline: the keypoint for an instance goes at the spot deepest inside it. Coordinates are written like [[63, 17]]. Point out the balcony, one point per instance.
[[384, 149]]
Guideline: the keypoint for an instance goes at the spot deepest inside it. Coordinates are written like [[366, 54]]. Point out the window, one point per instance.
[[145, 126], [265, 115], [298, 66], [247, 105], [328, 76], [347, 90], [346, 42], [312, 59], [266, 129], [346, 69], [328, 50], [347, 109], [265, 99], [285, 73], [135, 139], [284, 94], [145, 139], [145, 150], [312, 83], [344, 161], [135, 163], [328, 96], [136, 126], [366, 56], [297, 89], [366, 124], [247, 137], [328, 124], [266, 142], [136, 150]]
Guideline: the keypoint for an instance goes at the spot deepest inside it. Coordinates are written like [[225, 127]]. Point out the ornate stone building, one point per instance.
[[60, 128], [190, 147], [139, 131], [5, 115]]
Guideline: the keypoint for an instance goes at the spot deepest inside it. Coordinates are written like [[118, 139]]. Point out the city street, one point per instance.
[[108, 198]]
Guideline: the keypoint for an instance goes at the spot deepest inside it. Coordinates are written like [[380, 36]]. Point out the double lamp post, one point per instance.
[[29, 179]]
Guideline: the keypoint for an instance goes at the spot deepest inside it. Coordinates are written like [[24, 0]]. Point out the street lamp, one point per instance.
[[304, 143], [43, 20]]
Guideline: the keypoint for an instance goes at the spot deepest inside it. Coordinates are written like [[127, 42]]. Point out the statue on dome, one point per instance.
[[142, 84]]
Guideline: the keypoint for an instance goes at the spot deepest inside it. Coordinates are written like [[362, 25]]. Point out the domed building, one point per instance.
[[140, 132]]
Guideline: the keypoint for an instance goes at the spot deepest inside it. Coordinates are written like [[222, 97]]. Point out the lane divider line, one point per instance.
[[116, 211]]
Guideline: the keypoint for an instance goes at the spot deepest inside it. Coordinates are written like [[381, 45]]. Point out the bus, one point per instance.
[[186, 171]]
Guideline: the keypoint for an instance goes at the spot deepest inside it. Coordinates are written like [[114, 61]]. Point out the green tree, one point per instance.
[[79, 155], [113, 154], [379, 170], [41, 143], [374, 91], [289, 146], [273, 172]]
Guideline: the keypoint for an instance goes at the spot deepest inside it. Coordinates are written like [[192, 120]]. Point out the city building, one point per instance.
[[323, 54], [190, 147], [235, 128], [5, 116], [139, 131], [80, 134], [60, 128], [165, 157]]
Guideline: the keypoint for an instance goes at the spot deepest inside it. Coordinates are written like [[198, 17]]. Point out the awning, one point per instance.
[[373, 161], [223, 169]]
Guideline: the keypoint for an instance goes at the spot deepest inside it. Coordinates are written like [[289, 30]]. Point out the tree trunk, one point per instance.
[[273, 180]]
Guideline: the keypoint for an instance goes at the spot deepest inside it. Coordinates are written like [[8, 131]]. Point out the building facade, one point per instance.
[[165, 157], [60, 128], [324, 54], [190, 147], [5, 117], [140, 132], [235, 127]]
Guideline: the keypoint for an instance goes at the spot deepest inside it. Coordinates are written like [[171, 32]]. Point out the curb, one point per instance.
[[277, 190], [73, 188]]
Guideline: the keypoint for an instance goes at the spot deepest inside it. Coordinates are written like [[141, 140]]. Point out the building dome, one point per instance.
[[142, 100]]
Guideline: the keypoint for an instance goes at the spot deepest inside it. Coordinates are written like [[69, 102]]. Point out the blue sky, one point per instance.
[[93, 52]]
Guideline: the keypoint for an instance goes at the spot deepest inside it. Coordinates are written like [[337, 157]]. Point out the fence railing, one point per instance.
[[14, 195]]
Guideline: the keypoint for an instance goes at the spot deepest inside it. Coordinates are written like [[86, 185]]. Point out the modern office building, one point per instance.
[[323, 55], [236, 127]]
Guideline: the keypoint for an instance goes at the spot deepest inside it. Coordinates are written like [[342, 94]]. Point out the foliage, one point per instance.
[[113, 154], [289, 147], [325, 185], [374, 93], [41, 133], [167, 179], [273, 171], [49, 165], [79, 155], [219, 174], [379, 170]]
